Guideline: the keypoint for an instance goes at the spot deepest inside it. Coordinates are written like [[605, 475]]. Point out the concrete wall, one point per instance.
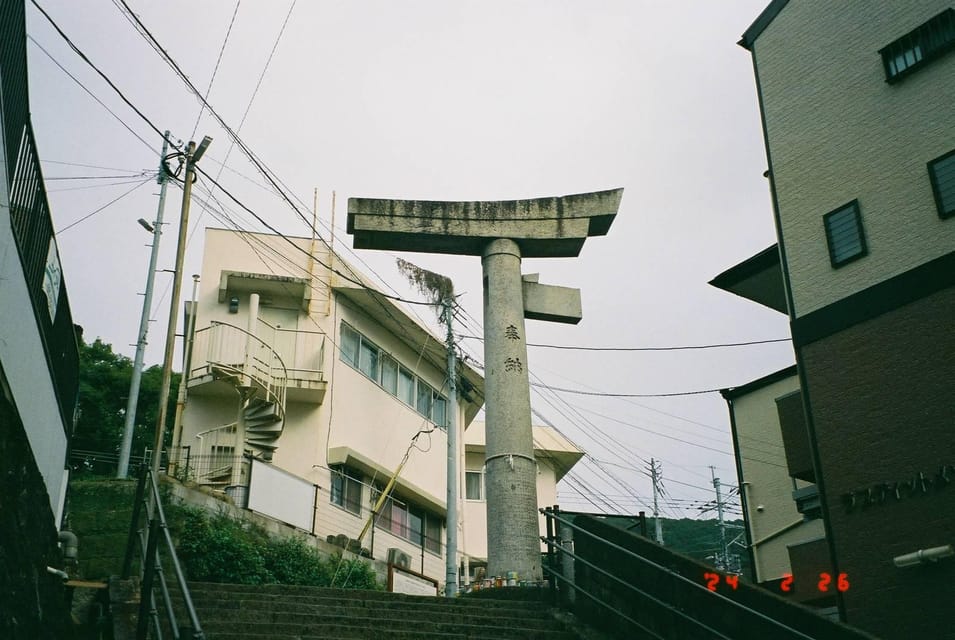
[[766, 481], [837, 131], [28, 375]]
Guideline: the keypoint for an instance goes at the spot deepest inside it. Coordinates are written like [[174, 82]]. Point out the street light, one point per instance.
[[122, 468]]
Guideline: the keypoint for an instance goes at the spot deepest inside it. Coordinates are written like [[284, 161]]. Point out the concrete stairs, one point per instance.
[[283, 612]]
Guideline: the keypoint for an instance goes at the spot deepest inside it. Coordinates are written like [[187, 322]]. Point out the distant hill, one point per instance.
[[698, 539]]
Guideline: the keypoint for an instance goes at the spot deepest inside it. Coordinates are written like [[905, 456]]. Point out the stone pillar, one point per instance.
[[511, 471]]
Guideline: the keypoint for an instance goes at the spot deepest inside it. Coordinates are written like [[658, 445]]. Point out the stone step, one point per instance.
[[346, 633], [365, 617], [381, 628], [295, 589], [269, 602]]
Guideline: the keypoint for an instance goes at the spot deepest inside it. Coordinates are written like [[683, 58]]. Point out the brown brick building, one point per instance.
[[857, 112]]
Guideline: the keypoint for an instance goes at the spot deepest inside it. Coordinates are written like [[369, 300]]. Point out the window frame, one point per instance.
[[936, 190], [347, 333], [927, 42], [411, 523], [853, 205], [346, 479], [406, 380], [480, 486]]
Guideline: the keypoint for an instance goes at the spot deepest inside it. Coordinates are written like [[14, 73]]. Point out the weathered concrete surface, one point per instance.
[[510, 469], [549, 303], [542, 227]]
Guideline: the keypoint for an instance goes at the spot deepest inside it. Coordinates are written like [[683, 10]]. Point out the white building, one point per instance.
[[303, 365]]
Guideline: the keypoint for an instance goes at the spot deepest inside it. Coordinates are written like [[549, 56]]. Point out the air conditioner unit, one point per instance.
[[399, 558]]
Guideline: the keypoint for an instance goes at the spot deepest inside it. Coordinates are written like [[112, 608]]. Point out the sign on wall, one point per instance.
[[278, 494], [402, 580]]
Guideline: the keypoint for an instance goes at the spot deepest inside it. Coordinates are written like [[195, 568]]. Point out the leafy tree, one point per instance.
[[104, 390]]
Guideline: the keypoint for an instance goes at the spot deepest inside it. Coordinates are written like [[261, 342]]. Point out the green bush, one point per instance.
[[217, 548]]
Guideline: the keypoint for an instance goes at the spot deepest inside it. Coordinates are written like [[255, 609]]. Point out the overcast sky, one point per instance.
[[431, 99]]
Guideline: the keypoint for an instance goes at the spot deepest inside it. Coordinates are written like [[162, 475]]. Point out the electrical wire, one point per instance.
[[215, 70], [100, 73], [86, 89], [90, 215], [630, 349]]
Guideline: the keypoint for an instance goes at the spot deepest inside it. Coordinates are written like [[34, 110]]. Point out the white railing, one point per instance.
[[237, 352], [302, 351]]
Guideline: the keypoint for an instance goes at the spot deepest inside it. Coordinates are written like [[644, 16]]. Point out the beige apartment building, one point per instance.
[[327, 387]]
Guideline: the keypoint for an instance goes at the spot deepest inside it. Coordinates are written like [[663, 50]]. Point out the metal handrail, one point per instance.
[[155, 531], [650, 597], [549, 514], [272, 375]]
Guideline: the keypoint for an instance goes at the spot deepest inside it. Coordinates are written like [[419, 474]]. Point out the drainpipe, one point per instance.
[[70, 544]]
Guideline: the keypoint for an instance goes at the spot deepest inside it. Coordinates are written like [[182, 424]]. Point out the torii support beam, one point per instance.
[[501, 233]]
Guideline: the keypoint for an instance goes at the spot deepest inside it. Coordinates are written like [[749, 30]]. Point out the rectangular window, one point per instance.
[[941, 172], [425, 396], [844, 234], [389, 375], [919, 46], [406, 386], [439, 412], [473, 485], [411, 523], [349, 345], [432, 533], [346, 490], [368, 359]]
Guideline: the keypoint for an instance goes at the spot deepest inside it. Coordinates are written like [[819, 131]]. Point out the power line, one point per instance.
[[87, 166], [215, 70], [627, 349], [141, 174], [101, 74], [693, 444], [604, 394], [90, 215], [84, 88]]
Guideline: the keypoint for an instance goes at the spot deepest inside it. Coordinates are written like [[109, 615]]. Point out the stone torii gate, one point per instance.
[[501, 233]]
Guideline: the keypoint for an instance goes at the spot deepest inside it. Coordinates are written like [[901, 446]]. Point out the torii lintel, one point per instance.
[[553, 227]]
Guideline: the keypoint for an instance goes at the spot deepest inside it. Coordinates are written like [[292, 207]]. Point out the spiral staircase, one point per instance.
[[231, 361]]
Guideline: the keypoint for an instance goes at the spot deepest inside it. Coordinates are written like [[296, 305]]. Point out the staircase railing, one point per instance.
[[612, 578], [238, 352], [151, 535]]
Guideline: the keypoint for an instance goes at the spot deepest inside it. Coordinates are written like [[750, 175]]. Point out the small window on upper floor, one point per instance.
[[844, 234], [474, 485], [919, 46], [941, 172]]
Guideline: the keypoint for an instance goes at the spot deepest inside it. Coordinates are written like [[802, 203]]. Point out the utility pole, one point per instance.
[[723, 560], [655, 472], [451, 548], [133, 399], [193, 154], [186, 360]]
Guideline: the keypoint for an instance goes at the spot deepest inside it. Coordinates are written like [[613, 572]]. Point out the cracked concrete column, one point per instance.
[[510, 468]]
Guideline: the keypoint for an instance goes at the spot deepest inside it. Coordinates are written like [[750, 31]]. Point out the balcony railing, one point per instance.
[[226, 350], [29, 213]]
